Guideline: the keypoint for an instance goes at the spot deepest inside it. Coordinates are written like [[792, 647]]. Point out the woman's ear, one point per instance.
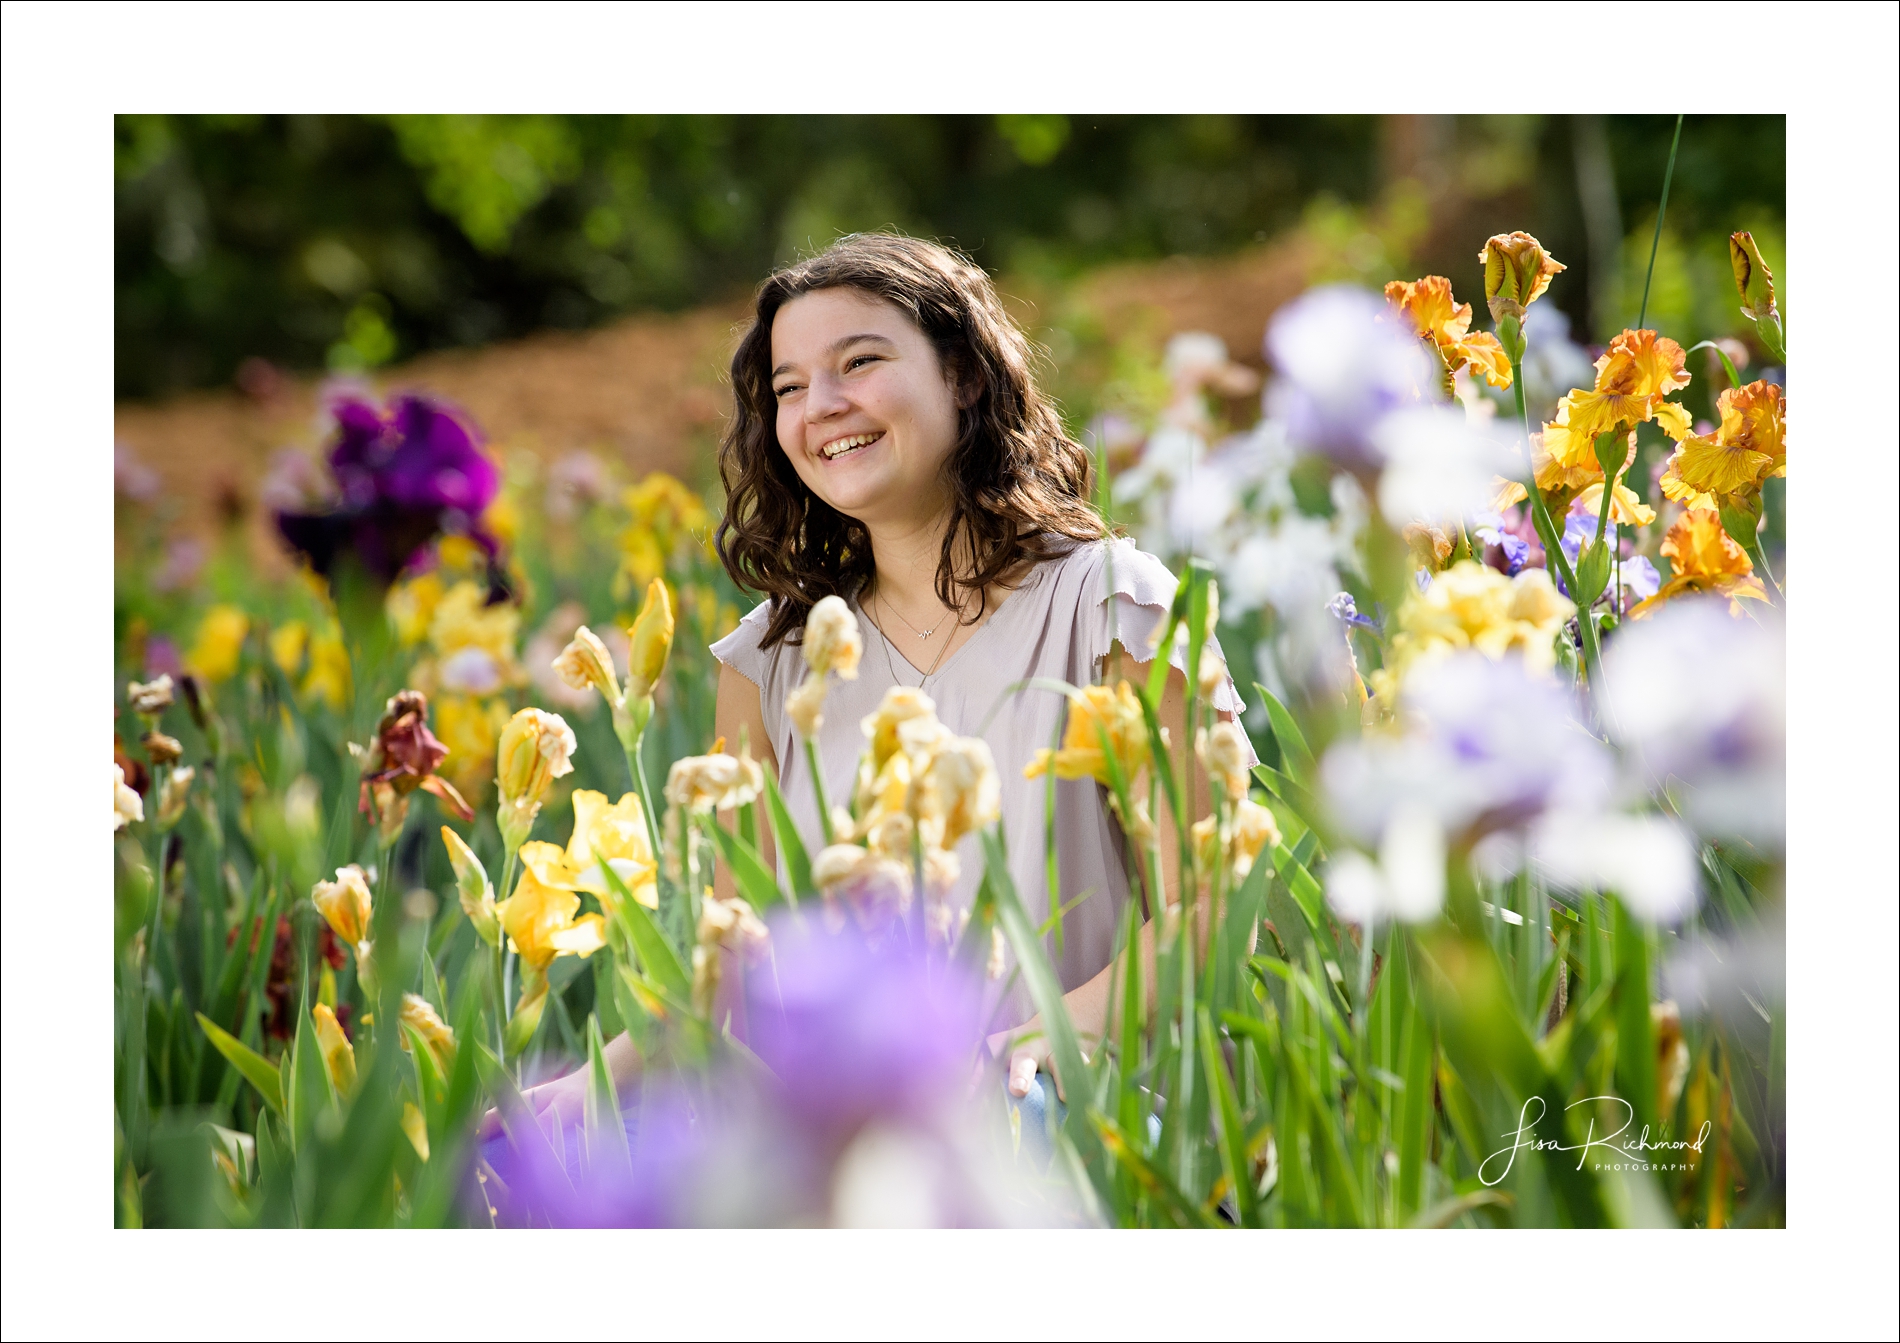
[[970, 385]]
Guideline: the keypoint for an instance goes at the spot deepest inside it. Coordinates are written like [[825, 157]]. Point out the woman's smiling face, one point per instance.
[[865, 412]]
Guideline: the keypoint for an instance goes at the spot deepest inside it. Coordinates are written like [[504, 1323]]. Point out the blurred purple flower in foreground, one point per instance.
[[403, 476], [861, 1116], [1700, 700], [1485, 746], [1341, 369]]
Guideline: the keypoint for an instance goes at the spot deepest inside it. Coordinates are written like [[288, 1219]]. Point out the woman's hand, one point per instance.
[[561, 1102], [1027, 1049]]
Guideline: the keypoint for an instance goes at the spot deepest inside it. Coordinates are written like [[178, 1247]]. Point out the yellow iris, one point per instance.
[[328, 678], [649, 641], [1633, 376], [338, 1057], [1446, 325], [611, 836], [664, 514], [1625, 507], [214, 653], [539, 920], [1517, 271], [1094, 710], [1746, 449], [411, 606], [1472, 605], [1704, 559]]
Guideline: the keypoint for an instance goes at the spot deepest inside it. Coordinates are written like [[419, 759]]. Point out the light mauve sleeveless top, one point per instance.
[[1056, 625]]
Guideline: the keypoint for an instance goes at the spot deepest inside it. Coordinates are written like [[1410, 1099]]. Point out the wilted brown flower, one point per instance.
[[404, 757]]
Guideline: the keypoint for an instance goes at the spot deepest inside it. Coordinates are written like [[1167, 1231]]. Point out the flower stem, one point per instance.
[[1553, 547], [636, 766], [1759, 554], [1662, 206], [818, 790]]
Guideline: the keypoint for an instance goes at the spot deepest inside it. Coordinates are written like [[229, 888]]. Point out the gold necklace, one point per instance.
[[878, 600], [921, 634]]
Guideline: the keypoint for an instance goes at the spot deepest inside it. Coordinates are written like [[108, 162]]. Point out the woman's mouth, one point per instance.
[[838, 447]]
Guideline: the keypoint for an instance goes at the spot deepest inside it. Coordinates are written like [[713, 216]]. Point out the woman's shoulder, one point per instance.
[[1115, 566], [743, 650]]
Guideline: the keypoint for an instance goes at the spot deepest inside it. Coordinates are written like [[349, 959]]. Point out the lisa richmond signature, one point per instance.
[[1636, 1150]]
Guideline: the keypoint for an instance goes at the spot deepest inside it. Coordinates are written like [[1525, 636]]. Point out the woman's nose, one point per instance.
[[825, 399]]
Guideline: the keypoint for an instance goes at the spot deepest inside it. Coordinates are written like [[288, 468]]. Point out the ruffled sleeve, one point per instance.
[[740, 650], [1142, 590]]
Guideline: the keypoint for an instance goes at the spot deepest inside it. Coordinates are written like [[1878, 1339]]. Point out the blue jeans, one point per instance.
[[1040, 1114]]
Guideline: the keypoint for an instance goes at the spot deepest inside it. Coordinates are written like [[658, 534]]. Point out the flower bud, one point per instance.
[[999, 955], [705, 783], [1213, 671], [345, 904], [1516, 271], [338, 1056], [171, 797], [416, 1129], [436, 1034], [832, 641], [150, 698], [586, 662], [731, 924], [649, 641], [472, 885], [532, 754], [127, 805], [805, 706], [1254, 829], [1223, 752], [1753, 280], [161, 749]]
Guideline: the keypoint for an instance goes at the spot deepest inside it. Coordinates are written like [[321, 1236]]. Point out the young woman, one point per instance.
[[890, 446]]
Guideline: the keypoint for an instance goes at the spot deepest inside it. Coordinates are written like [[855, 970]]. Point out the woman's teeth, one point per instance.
[[840, 446]]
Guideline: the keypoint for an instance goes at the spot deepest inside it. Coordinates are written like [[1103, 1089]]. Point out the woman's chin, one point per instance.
[[856, 490]]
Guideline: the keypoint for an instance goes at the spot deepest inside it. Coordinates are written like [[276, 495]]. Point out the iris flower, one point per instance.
[[1517, 271], [1705, 559], [612, 837], [214, 653], [338, 1056], [539, 920], [1745, 450], [404, 476], [1095, 709], [404, 758], [1472, 605], [1446, 326], [532, 754], [472, 886], [1633, 376]]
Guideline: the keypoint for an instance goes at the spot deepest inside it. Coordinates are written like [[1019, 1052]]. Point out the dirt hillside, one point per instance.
[[648, 390]]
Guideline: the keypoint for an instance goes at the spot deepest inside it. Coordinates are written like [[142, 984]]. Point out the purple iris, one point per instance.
[[405, 476], [1580, 530], [856, 1039], [1342, 366], [1640, 580], [1503, 551], [1346, 611]]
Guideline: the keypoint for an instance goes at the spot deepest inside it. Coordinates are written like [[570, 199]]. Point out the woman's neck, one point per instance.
[[907, 555]]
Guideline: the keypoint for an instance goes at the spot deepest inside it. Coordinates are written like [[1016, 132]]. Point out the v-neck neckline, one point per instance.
[[1032, 576]]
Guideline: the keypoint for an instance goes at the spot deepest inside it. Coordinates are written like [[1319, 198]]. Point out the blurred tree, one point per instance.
[[244, 243]]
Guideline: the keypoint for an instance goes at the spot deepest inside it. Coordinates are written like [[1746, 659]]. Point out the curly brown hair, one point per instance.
[[1018, 484]]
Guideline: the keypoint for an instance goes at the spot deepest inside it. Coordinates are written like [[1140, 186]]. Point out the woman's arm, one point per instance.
[[736, 714], [1088, 1004]]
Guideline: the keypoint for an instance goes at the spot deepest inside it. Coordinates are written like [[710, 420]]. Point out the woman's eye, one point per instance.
[[781, 391], [860, 359]]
